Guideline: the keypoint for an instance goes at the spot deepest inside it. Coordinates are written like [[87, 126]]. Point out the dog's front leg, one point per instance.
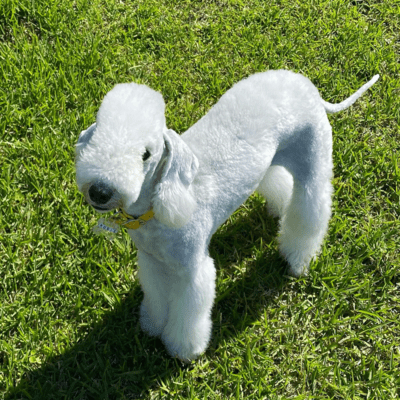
[[154, 282], [191, 296]]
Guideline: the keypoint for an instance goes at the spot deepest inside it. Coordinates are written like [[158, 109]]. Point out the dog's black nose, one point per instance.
[[100, 193]]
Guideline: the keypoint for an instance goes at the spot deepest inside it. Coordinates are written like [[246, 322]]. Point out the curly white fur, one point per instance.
[[268, 133]]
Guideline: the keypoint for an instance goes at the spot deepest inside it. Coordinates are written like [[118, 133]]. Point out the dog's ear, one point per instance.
[[173, 201], [84, 138]]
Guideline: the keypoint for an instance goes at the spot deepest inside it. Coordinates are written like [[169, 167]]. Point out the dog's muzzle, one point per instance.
[[100, 193]]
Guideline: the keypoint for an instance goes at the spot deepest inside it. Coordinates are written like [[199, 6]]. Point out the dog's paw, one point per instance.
[[187, 342], [297, 271], [150, 325], [298, 263], [298, 252]]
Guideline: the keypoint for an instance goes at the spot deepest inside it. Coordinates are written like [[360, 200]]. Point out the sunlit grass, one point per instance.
[[69, 301]]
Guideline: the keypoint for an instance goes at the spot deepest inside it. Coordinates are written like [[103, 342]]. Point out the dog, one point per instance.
[[268, 133]]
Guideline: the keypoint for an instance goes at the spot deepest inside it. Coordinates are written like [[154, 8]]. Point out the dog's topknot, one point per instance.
[[131, 106]]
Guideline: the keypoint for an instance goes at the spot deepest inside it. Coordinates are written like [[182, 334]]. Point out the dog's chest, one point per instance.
[[159, 243], [177, 249]]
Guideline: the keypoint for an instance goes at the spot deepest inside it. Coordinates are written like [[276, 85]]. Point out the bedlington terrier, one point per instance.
[[268, 133]]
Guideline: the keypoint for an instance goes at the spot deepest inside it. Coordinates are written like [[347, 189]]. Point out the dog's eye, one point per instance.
[[146, 155]]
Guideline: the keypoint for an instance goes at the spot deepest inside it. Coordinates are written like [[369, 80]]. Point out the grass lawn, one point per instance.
[[69, 300]]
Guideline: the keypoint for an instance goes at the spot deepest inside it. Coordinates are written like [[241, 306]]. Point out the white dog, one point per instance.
[[269, 133]]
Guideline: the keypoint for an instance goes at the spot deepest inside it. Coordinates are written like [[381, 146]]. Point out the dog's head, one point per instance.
[[129, 159]]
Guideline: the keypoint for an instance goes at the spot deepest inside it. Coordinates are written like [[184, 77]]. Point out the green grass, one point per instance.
[[69, 300]]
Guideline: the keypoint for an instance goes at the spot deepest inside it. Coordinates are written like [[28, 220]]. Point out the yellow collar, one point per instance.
[[130, 222]]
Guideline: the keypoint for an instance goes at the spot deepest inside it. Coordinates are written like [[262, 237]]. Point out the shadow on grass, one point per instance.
[[118, 361]]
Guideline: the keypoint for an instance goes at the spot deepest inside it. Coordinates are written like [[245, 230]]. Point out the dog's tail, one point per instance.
[[334, 108]]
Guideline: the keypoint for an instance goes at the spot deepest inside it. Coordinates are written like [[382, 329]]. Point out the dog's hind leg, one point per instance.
[[276, 187], [305, 219]]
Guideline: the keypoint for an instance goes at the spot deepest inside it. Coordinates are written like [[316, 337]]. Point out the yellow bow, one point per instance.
[[127, 221]]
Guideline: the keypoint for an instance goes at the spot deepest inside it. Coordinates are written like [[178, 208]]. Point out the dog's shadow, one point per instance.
[[117, 360]]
